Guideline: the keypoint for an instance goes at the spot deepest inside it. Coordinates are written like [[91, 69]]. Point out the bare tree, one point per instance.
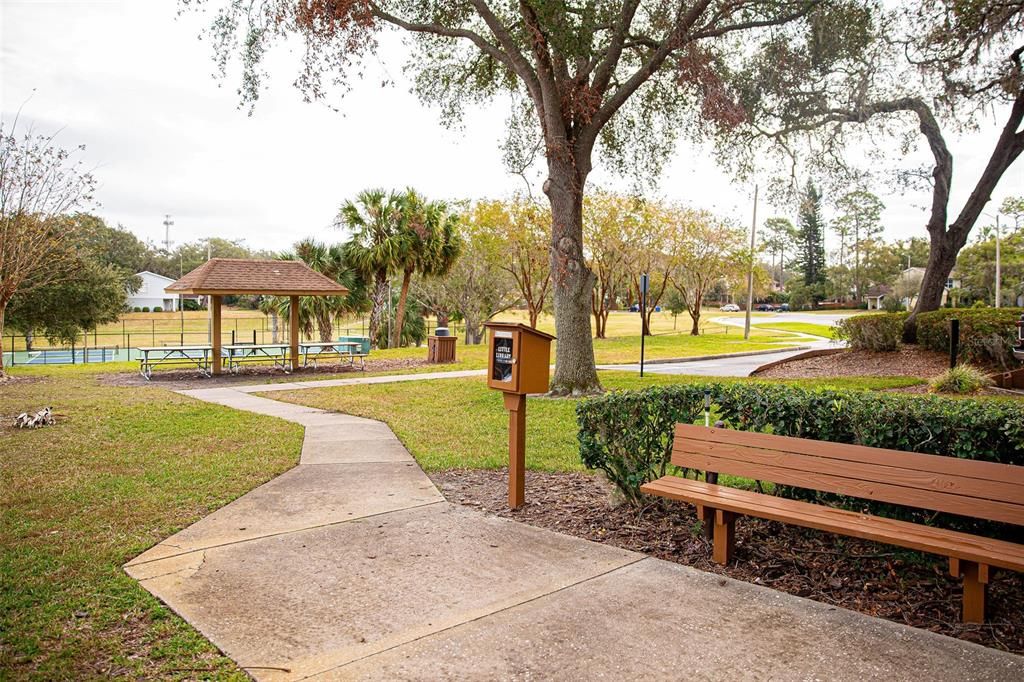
[[609, 223], [710, 250], [39, 183]]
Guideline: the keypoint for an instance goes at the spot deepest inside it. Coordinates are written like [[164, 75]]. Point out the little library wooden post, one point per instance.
[[518, 361]]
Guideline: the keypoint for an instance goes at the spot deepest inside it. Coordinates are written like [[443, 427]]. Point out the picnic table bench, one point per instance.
[[314, 350], [239, 353], [198, 356], [970, 488]]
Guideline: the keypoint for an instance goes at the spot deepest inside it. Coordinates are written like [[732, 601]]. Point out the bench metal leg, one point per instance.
[[975, 577], [725, 536]]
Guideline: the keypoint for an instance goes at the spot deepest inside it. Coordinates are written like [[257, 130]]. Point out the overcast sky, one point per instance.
[[132, 81]]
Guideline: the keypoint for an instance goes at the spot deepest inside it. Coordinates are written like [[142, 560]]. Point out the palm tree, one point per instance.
[[317, 313], [378, 246], [269, 306], [431, 247]]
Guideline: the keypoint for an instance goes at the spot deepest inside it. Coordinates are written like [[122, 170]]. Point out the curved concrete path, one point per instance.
[[352, 566]]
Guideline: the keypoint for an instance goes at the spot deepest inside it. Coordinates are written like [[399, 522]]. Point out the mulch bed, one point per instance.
[[908, 361], [878, 580], [185, 379]]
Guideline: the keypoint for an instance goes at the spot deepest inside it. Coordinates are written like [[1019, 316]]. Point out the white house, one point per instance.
[[151, 294]]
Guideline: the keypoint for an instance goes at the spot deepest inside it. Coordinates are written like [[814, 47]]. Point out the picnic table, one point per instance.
[[239, 353], [198, 356], [337, 349]]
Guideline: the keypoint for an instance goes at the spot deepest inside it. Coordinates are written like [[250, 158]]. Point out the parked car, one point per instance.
[[784, 308], [730, 308], [764, 308]]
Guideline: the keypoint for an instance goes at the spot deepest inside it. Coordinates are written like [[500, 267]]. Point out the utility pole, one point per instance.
[[750, 272], [167, 232], [999, 273]]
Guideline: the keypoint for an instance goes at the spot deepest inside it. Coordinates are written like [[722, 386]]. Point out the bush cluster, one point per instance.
[[961, 379], [987, 335], [629, 435], [881, 332]]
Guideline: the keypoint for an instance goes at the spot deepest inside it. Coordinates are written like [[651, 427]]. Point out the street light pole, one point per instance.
[[750, 272], [999, 273]]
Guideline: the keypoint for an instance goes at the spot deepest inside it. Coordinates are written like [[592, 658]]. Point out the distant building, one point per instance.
[[151, 294], [875, 295]]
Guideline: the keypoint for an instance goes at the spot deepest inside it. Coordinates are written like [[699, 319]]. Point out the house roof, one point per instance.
[[154, 274], [223, 276], [878, 290]]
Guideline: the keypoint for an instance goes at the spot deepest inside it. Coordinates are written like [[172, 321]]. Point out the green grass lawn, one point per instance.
[[822, 330], [613, 350], [123, 469], [456, 423]]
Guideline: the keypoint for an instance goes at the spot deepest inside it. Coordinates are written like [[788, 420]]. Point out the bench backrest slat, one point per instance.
[[978, 489]]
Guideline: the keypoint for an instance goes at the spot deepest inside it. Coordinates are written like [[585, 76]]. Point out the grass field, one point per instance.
[[122, 469], [822, 330], [456, 423], [155, 329], [621, 346]]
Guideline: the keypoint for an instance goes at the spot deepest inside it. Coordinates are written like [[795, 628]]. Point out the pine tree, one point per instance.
[[811, 237]]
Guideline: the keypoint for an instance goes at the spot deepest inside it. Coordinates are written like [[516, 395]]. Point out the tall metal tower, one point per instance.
[[167, 232]]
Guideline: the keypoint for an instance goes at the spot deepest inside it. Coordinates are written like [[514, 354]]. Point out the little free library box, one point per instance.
[[519, 358], [518, 361]]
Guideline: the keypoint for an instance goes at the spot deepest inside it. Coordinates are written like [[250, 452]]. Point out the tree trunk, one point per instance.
[[534, 314], [3, 309], [695, 316], [377, 299], [575, 369], [396, 333], [326, 328], [273, 327], [941, 260], [30, 337]]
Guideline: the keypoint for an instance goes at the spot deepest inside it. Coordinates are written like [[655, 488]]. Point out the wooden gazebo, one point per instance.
[[219, 277]]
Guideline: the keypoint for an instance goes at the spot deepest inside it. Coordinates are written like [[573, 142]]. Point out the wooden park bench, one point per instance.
[[970, 488]]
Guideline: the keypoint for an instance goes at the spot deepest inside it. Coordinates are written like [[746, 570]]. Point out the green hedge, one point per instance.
[[629, 435], [987, 335], [876, 332]]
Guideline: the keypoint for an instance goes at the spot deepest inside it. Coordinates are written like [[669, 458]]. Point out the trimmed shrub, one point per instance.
[[872, 332], [987, 335], [158, 309], [136, 309], [145, 308], [961, 379], [629, 435]]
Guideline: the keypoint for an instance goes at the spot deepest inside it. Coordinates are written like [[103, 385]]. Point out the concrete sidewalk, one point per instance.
[[352, 566]]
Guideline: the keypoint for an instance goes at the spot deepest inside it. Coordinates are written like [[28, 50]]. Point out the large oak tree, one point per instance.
[[622, 75]]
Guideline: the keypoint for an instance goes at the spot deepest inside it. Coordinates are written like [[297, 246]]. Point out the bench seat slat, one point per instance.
[[901, 533], [854, 486], [926, 480], [984, 471]]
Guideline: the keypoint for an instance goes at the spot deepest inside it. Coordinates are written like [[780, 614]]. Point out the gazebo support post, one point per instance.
[[293, 331], [215, 341]]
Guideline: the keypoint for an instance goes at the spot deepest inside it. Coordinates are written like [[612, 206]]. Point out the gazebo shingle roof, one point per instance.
[[219, 276]]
